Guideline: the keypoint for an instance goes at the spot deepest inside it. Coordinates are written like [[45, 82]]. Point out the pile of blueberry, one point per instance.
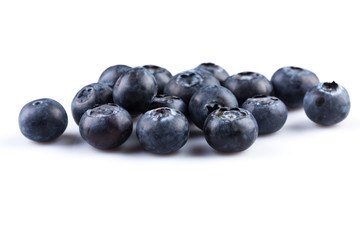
[[231, 110]]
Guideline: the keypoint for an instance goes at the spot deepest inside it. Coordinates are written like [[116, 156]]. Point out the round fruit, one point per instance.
[[291, 83], [230, 129], [135, 90], [162, 130], [327, 103], [270, 112], [248, 84], [43, 120], [106, 126]]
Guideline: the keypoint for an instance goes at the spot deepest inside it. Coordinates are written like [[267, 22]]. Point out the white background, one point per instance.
[[300, 183]]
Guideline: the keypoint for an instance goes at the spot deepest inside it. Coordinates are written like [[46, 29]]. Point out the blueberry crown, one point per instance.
[[246, 76], [230, 113], [103, 110], [330, 86], [85, 93], [162, 113]]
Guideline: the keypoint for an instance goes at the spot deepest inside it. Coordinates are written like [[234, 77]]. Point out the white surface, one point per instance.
[[300, 183]]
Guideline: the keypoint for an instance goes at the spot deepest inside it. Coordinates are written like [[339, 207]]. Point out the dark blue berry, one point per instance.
[[327, 103], [162, 130], [135, 90], [170, 102], [88, 97], [218, 72], [186, 83], [112, 74], [230, 129], [43, 120], [208, 99], [162, 76], [291, 83], [248, 84], [106, 126], [270, 112]]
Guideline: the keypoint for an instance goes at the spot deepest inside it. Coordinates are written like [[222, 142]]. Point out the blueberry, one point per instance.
[[112, 74], [135, 90], [248, 84], [162, 76], [88, 97], [327, 103], [43, 120], [218, 72], [106, 126], [186, 83], [206, 100], [230, 129], [291, 83], [169, 101], [206, 75], [270, 112], [162, 130]]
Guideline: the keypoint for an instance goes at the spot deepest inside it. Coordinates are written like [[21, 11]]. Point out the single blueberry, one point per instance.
[[248, 84], [270, 112], [218, 72], [162, 76], [135, 90], [208, 99], [162, 130], [186, 83], [291, 83], [106, 126], [112, 74], [170, 102], [327, 103], [230, 129], [43, 120], [88, 97]]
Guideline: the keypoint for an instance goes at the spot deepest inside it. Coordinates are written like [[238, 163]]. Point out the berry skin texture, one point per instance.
[[162, 76], [218, 72], [248, 84], [207, 76], [327, 103], [43, 120], [88, 97], [170, 102], [135, 90], [162, 130], [291, 83], [270, 113], [106, 126], [186, 83], [206, 100], [230, 129], [112, 74]]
